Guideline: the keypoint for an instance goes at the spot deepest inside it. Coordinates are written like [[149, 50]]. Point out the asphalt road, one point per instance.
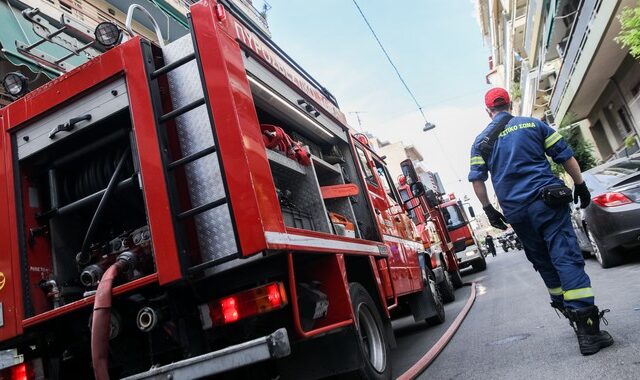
[[511, 331]]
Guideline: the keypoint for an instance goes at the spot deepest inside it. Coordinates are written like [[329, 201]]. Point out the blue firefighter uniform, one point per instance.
[[519, 171]]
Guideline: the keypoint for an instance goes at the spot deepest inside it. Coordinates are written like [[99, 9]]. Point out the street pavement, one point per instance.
[[511, 331]]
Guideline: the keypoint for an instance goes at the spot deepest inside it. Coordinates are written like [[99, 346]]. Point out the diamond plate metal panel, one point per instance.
[[204, 178]]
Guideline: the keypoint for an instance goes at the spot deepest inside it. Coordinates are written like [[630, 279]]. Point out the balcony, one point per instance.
[[591, 58]]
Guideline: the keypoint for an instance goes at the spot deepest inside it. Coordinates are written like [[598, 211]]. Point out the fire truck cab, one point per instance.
[[194, 209], [465, 244]]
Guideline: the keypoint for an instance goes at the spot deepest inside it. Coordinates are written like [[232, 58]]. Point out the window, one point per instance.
[[612, 173], [368, 174], [453, 217], [383, 174], [624, 117]]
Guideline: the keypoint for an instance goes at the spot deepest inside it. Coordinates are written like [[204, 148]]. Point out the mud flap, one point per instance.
[[322, 356], [438, 273], [422, 305]]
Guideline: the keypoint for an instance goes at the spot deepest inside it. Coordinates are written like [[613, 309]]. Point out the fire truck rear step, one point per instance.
[[273, 346]]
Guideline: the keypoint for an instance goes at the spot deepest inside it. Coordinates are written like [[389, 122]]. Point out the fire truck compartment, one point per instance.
[[79, 199]]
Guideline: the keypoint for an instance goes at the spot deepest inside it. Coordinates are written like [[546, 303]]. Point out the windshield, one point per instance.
[[453, 217], [617, 171]]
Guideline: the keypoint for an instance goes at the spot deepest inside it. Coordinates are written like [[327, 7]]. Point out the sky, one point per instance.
[[437, 47]]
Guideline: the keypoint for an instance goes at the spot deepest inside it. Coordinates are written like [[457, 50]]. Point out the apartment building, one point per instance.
[[34, 42], [560, 61]]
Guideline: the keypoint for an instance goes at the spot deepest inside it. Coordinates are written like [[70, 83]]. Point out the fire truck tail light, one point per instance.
[[248, 303], [19, 372], [22, 371], [611, 200]]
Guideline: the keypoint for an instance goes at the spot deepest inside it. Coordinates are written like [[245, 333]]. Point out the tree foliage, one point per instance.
[[629, 36], [582, 149]]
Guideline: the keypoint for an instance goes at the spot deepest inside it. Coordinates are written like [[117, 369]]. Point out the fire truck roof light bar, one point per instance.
[[290, 106]]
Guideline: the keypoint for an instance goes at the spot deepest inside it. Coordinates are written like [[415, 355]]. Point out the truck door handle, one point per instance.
[[66, 127]]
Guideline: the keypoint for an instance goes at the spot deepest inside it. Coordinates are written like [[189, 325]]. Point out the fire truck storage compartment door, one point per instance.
[[214, 227], [274, 94], [99, 104]]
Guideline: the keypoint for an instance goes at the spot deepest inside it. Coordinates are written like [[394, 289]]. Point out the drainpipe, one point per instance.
[[632, 119]]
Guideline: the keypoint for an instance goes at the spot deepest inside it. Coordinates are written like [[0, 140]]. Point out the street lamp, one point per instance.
[[428, 126]]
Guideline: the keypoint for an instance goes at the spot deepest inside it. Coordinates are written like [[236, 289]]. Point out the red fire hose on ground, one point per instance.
[[431, 355], [101, 319]]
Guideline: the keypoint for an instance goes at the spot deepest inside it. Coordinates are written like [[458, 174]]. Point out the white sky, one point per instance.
[[437, 46]]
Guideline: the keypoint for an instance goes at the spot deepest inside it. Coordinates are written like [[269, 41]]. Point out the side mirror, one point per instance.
[[471, 213], [409, 171], [417, 188], [432, 199]]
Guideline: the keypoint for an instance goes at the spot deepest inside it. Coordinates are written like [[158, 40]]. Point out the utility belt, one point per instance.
[[556, 195]]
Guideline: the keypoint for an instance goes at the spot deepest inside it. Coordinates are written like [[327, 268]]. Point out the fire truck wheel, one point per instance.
[[440, 316], [479, 265], [456, 279], [373, 343], [446, 289]]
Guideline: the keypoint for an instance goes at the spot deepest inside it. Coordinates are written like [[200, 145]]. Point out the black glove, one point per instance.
[[495, 217], [581, 192]]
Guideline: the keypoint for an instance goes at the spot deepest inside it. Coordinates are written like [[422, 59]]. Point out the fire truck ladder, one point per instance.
[[68, 37], [220, 241]]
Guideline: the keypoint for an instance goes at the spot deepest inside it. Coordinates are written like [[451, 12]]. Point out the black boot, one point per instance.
[[587, 326]]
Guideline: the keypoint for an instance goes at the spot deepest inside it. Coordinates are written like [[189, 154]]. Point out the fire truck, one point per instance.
[[465, 243], [198, 208], [432, 223]]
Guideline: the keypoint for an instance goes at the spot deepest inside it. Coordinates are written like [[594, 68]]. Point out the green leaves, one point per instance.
[[629, 36]]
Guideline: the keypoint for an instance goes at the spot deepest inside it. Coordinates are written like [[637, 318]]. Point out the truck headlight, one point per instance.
[[15, 84]]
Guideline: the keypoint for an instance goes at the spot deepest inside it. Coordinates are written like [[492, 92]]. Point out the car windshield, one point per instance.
[[617, 171]]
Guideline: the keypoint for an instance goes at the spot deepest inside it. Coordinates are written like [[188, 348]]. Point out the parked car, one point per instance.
[[611, 222], [579, 226]]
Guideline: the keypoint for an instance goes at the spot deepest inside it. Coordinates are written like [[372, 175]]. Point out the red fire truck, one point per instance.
[[431, 222], [198, 208], [465, 243]]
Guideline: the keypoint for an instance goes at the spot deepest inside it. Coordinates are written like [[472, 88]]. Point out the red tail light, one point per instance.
[[611, 200], [19, 372], [434, 261], [248, 303]]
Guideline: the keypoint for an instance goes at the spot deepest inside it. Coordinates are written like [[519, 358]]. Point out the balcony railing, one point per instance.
[[577, 39]]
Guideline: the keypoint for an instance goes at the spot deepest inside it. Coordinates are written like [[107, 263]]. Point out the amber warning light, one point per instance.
[[245, 304]]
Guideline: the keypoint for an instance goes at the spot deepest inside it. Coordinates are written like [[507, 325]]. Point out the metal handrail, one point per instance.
[[129, 20]]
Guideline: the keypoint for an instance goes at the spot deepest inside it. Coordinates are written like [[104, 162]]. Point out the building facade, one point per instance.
[[22, 31], [559, 60]]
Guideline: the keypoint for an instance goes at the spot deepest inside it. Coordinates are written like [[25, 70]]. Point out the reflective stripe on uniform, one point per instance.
[[552, 139], [477, 160], [575, 294], [556, 291]]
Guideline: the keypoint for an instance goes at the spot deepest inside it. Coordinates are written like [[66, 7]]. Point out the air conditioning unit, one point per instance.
[[549, 117]]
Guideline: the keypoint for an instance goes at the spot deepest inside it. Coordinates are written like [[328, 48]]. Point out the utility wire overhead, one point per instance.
[[404, 83], [395, 68]]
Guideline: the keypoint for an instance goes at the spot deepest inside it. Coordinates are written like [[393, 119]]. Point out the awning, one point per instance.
[[16, 28]]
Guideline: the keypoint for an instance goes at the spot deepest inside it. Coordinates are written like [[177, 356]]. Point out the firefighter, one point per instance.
[[488, 241], [534, 202]]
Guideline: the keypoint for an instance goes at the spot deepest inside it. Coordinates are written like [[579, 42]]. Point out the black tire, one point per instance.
[[430, 282], [479, 265], [445, 287], [456, 279], [373, 341], [606, 257]]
